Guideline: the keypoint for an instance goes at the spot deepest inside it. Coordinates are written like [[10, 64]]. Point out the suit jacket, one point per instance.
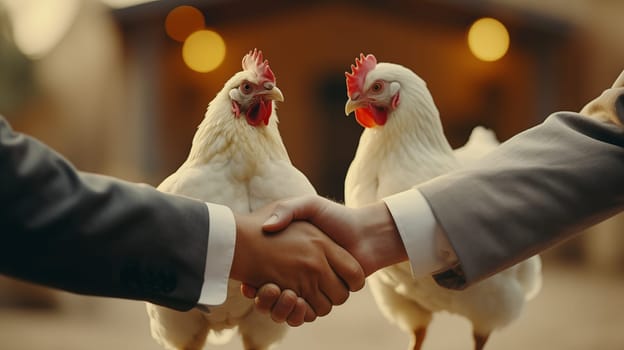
[[537, 189], [95, 235]]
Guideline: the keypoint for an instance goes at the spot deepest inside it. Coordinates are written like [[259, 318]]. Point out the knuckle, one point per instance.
[[342, 298], [312, 267], [295, 323], [277, 317], [324, 310], [310, 316], [288, 299], [356, 278], [262, 307], [269, 292]]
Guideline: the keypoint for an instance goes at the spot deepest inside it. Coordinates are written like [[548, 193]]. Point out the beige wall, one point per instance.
[[79, 101]]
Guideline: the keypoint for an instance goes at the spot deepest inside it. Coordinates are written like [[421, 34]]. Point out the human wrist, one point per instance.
[[381, 244], [238, 268]]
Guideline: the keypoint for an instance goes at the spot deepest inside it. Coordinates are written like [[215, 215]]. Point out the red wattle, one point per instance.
[[364, 117], [268, 108], [370, 117], [259, 112]]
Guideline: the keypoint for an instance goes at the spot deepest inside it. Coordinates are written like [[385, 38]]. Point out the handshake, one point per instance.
[[310, 253]]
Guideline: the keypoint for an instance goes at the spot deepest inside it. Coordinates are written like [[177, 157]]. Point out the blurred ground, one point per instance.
[[576, 310]]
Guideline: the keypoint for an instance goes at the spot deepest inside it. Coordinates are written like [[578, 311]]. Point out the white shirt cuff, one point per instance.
[[425, 242], [221, 242]]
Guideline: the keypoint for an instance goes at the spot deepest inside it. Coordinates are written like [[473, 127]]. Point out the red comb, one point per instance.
[[253, 61], [355, 79]]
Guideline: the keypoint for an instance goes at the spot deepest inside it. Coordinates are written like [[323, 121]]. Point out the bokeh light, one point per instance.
[[488, 39], [203, 51], [125, 3], [182, 21], [40, 25]]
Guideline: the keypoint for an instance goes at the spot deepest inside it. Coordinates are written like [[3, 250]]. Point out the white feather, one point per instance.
[[481, 142]]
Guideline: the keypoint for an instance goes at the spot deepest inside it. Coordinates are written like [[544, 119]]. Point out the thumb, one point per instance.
[[299, 208], [248, 291], [277, 221]]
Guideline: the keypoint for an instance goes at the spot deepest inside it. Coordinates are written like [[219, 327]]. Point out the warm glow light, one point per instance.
[[203, 51], [182, 21], [125, 3], [39, 25], [488, 39]]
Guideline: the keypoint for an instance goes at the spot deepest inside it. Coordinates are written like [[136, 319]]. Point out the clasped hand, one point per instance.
[[310, 253]]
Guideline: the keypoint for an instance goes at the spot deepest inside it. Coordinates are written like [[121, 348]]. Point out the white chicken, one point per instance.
[[237, 159], [403, 144]]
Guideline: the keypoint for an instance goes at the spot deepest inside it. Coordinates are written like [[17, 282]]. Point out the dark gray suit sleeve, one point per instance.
[[534, 191], [93, 234]]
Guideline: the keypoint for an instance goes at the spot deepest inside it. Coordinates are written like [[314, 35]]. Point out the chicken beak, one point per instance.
[[274, 93], [353, 105]]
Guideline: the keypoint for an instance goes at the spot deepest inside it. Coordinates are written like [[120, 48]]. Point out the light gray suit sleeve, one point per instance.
[[93, 234], [535, 190]]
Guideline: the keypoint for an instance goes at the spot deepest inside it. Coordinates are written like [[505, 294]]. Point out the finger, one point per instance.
[[297, 315], [320, 303], [310, 315], [321, 306], [248, 291], [299, 208], [346, 267], [284, 306], [334, 288], [266, 297]]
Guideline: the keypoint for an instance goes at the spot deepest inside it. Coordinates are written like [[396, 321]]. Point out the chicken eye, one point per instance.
[[377, 87], [246, 88]]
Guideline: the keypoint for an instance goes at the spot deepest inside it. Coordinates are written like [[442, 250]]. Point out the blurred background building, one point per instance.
[[119, 86]]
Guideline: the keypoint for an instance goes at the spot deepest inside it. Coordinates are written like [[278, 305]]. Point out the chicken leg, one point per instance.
[[480, 340], [418, 338]]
